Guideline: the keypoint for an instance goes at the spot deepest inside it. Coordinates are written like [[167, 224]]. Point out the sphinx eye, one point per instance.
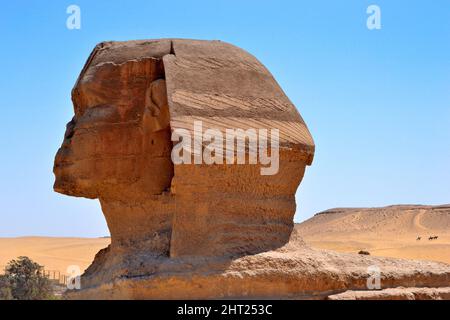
[[100, 113]]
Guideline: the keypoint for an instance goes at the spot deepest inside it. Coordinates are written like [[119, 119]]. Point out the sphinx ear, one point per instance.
[[159, 93], [156, 110], [150, 105]]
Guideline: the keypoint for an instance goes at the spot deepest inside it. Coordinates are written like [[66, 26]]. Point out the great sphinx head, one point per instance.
[[130, 97], [117, 146]]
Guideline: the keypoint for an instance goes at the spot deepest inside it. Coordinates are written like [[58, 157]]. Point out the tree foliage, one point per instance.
[[24, 280], [5, 288]]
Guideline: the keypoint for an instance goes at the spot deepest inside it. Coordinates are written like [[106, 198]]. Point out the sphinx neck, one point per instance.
[[140, 224]]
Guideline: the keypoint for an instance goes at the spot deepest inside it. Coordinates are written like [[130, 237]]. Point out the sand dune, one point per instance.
[[389, 231], [52, 253]]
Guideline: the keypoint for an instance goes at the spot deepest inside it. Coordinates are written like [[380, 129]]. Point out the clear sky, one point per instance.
[[377, 102]]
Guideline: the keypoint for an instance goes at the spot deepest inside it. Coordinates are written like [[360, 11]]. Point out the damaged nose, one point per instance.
[[70, 126], [64, 151]]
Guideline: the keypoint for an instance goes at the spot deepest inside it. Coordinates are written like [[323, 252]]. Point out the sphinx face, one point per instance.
[[100, 148], [118, 143]]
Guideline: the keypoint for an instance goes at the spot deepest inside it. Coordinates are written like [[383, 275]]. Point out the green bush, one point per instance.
[[24, 280], [5, 288]]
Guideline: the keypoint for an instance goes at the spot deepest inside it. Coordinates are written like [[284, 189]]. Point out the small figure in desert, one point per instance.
[[418, 238]]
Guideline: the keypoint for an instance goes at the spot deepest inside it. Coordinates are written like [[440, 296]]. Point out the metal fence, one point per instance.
[[56, 276]]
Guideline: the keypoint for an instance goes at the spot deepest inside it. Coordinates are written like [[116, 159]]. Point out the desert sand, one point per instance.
[[52, 252], [388, 232]]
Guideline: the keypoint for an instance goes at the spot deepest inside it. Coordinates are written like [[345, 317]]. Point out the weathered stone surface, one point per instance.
[[395, 294], [128, 99], [189, 230], [294, 271]]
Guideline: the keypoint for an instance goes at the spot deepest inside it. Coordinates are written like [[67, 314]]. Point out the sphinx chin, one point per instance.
[[71, 188], [68, 184]]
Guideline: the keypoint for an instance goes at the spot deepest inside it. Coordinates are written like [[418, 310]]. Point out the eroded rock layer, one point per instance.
[[294, 271]]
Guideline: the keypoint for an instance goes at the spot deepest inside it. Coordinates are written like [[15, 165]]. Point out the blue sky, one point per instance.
[[377, 102]]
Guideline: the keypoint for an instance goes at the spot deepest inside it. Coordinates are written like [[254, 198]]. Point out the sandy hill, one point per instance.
[[389, 231], [52, 252]]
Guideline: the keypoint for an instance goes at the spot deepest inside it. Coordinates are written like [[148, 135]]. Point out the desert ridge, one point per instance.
[[402, 231]]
